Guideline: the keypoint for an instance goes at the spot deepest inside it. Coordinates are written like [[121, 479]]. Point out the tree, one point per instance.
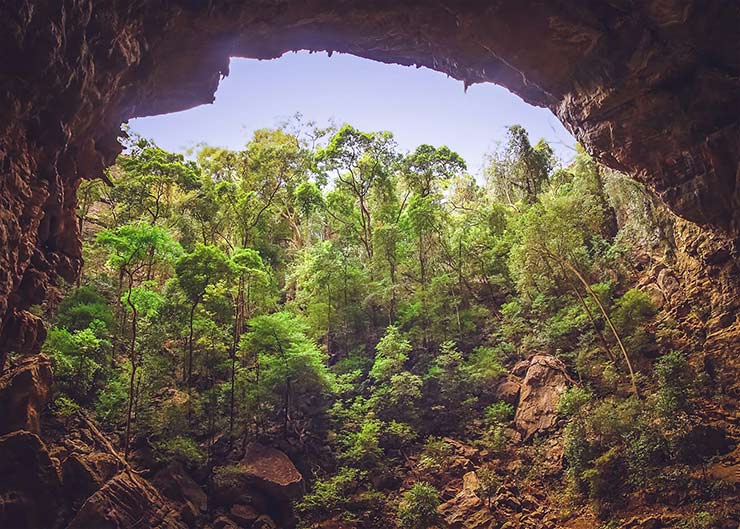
[[196, 271], [520, 171], [290, 366], [555, 242], [131, 248], [361, 161]]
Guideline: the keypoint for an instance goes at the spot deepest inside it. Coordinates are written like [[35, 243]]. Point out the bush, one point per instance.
[[362, 448], [488, 484], [630, 313], [571, 402], [64, 407], [182, 449], [331, 495], [499, 412], [418, 507], [436, 455], [675, 380]]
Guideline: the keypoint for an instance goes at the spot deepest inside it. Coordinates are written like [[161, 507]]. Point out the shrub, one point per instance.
[[64, 407], [331, 494], [488, 484], [363, 447], [418, 507], [436, 455], [572, 400], [674, 385], [182, 449], [499, 412]]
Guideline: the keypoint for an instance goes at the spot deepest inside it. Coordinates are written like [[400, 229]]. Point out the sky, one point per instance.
[[416, 104]]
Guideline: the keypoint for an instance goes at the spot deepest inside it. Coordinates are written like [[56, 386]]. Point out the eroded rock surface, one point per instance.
[[124, 502], [24, 391], [30, 483], [544, 382], [175, 483], [651, 88], [271, 471]]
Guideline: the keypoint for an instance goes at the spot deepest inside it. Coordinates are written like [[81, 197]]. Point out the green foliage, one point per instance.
[[182, 449], [572, 400], [81, 307], [336, 290], [488, 483], [111, 401], [391, 354], [332, 495], [64, 407], [436, 455], [499, 412], [132, 244], [418, 507], [76, 357]]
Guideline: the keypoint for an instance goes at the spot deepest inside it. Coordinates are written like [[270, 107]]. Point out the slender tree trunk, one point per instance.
[[132, 359], [591, 318], [609, 322], [190, 347]]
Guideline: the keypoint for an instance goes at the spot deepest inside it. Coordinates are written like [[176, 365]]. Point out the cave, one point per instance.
[[650, 88]]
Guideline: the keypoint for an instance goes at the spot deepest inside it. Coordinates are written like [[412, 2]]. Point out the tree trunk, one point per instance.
[[609, 322], [132, 382]]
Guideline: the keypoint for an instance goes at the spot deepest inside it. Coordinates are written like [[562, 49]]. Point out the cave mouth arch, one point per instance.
[[649, 88]]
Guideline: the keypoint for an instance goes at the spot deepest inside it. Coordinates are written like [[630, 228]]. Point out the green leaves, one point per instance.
[[202, 267], [131, 245]]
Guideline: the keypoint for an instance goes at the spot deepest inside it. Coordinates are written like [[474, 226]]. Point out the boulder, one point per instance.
[[244, 515], [508, 389], [24, 391], [224, 522], [175, 483], [124, 502], [264, 522], [466, 510], [30, 483], [83, 474], [544, 382], [272, 472]]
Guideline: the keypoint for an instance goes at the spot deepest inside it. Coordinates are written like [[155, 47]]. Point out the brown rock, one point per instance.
[[175, 483], [508, 389], [271, 471], [124, 502], [466, 510], [23, 394], [244, 515], [224, 522], [545, 381], [30, 483], [83, 474], [264, 522]]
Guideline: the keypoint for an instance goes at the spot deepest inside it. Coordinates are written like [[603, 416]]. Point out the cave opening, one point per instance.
[[567, 331]]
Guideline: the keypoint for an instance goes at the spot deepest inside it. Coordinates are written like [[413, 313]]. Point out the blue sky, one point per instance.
[[416, 104]]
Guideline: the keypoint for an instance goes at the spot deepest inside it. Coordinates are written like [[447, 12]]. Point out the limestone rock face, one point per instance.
[[30, 486], [24, 391], [126, 501], [272, 472], [650, 88], [544, 382]]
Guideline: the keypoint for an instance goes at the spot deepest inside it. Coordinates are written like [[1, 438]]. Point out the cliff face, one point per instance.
[[651, 88]]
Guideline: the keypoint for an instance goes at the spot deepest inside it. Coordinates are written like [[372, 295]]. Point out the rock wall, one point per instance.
[[649, 87]]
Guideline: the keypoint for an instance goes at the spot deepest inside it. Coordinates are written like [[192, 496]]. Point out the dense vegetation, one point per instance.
[[323, 288]]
